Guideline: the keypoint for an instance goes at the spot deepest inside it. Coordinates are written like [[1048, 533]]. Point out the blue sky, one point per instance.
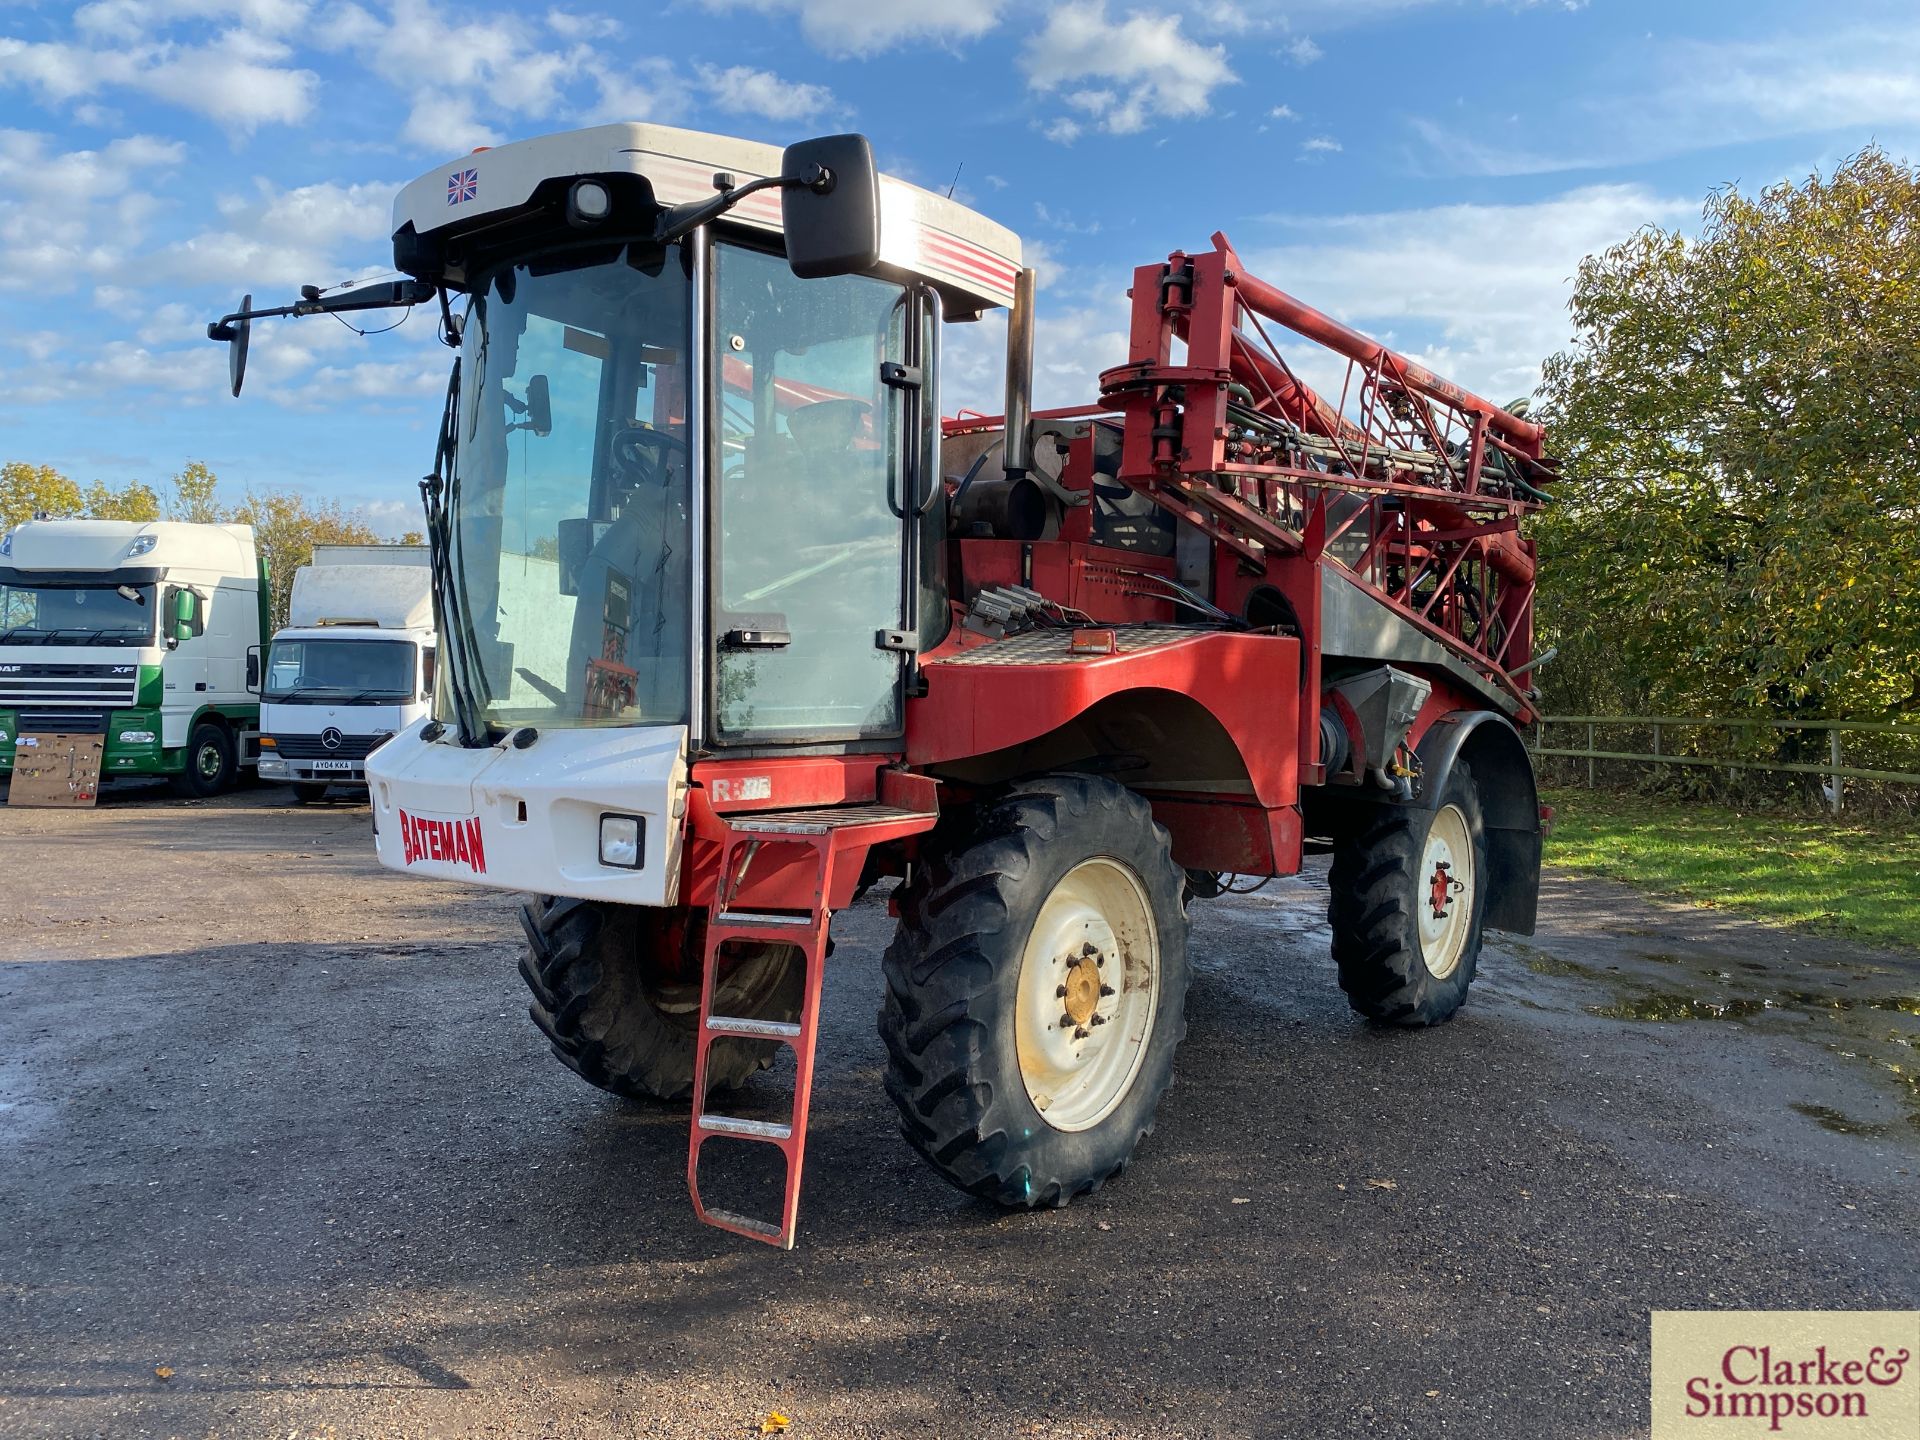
[[1431, 170]]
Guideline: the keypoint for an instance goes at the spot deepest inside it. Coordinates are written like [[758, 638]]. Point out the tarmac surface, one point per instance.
[[281, 1155]]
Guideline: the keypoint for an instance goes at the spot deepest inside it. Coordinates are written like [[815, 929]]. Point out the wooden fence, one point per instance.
[[1834, 770]]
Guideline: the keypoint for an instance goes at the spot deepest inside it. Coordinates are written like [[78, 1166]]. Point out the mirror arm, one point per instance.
[[679, 220], [396, 295]]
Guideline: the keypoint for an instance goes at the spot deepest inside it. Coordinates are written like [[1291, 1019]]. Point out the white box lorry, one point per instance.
[[353, 666], [144, 632]]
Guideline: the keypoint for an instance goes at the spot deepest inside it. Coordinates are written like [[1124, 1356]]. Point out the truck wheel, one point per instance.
[[1408, 894], [305, 793], [606, 994], [210, 764], [1036, 991]]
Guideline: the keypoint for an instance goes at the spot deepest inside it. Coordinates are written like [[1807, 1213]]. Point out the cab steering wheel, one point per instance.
[[643, 453]]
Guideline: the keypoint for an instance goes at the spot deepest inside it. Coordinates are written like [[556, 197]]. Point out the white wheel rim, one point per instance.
[[1445, 892], [1094, 940]]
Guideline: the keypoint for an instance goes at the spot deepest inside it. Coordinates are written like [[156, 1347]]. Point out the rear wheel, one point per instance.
[[1036, 992], [210, 762], [1408, 896], [305, 792], [616, 991]]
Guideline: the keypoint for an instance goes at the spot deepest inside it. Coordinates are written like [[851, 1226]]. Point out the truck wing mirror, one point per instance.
[[830, 206], [539, 406], [253, 669], [236, 333]]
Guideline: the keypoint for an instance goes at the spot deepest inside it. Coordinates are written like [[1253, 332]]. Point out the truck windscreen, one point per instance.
[[329, 671], [76, 614]]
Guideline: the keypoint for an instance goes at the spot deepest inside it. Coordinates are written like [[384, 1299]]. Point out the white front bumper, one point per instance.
[[530, 819]]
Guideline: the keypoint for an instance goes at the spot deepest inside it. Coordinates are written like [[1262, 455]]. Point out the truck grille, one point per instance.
[[312, 747], [27, 685]]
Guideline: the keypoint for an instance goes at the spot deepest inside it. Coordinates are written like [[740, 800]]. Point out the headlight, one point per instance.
[[621, 838], [136, 737], [142, 544]]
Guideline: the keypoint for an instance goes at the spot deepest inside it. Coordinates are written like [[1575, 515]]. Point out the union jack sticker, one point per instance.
[[462, 185]]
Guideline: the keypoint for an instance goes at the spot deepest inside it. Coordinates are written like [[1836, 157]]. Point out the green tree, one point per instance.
[[193, 498], [1740, 414], [135, 500], [26, 490], [286, 527]]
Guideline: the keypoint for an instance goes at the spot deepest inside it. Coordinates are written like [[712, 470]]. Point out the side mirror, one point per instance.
[[253, 669], [830, 206], [185, 617], [539, 406], [576, 539], [236, 333]]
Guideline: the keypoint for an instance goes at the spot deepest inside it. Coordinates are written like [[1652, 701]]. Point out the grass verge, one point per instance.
[[1856, 880]]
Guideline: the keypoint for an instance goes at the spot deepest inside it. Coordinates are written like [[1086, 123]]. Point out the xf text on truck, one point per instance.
[[734, 623]]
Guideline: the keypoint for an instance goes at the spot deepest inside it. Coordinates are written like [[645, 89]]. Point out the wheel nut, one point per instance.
[[1060, 992], [1098, 1019], [1066, 1022], [1105, 990], [1081, 1033]]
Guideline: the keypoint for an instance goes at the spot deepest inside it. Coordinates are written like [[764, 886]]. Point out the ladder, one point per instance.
[[832, 837]]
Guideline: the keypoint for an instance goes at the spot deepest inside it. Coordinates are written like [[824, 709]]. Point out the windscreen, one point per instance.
[[571, 522], [340, 671], [76, 614]]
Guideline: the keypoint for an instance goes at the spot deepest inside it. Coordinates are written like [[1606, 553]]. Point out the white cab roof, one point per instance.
[[920, 232], [108, 545]]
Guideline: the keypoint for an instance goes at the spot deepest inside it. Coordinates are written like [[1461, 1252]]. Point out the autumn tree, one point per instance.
[[1740, 413], [193, 497], [286, 527], [135, 500], [27, 490]]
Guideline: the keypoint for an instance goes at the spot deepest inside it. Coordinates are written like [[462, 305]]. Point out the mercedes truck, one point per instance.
[[353, 666]]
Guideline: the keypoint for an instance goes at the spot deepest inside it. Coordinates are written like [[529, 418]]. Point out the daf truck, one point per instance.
[[144, 632], [353, 667]]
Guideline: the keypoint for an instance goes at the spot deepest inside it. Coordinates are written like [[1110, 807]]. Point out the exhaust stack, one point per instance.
[[1017, 457]]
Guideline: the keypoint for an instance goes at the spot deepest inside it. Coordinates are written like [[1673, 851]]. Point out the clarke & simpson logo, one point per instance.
[[1808, 1374]]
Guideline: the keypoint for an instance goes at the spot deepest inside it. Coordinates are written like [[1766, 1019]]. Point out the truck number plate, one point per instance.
[[333, 764]]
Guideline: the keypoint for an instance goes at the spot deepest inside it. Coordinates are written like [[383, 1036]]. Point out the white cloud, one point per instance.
[[1478, 292], [458, 69], [1318, 147], [1302, 51], [116, 19], [569, 26], [237, 79], [866, 27], [1143, 67], [68, 216], [741, 90], [1282, 112], [311, 234]]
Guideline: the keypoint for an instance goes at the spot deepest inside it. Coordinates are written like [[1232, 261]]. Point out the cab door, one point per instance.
[[809, 519]]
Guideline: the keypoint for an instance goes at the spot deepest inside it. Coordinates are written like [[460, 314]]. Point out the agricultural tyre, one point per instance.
[[210, 763], [1035, 991], [1408, 896], [616, 991]]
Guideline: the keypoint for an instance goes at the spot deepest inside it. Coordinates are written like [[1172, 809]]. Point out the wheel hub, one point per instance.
[[1447, 863], [1088, 992]]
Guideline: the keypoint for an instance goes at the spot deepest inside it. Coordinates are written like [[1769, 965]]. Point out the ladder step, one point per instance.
[[761, 1228], [747, 1129], [767, 1029], [756, 919]]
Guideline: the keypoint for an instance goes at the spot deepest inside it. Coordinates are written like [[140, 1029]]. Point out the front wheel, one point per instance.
[[616, 993], [1408, 896], [210, 762], [1036, 992]]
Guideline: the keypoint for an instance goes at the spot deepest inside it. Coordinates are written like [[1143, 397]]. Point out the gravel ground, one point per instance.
[[280, 1154]]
